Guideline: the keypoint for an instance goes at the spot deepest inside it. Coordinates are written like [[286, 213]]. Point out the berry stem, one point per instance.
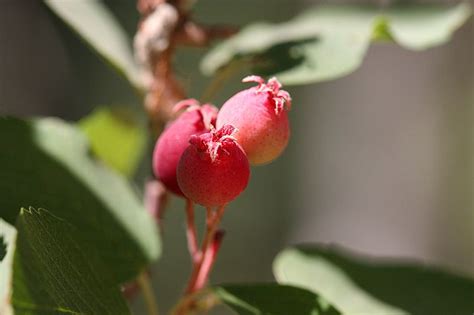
[[191, 234], [209, 259], [201, 270], [197, 281]]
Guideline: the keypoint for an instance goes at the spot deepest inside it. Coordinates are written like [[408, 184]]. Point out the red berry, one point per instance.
[[260, 116], [175, 139], [214, 169]]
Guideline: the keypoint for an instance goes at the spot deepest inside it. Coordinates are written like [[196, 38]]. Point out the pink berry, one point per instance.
[[175, 139], [260, 116], [214, 169]]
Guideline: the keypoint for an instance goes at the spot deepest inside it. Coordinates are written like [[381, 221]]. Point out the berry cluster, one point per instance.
[[205, 155]]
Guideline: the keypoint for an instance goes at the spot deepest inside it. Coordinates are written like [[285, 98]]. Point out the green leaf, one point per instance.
[[98, 27], [420, 27], [117, 136], [363, 285], [331, 41], [7, 238], [3, 247], [46, 163], [272, 299], [54, 274]]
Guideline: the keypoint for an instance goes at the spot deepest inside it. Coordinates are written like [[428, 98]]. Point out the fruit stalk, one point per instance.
[[208, 251], [209, 259], [201, 270], [191, 234]]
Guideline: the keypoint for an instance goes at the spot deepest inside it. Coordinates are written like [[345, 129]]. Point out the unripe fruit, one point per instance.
[[260, 116], [175, 139], [214, 169]]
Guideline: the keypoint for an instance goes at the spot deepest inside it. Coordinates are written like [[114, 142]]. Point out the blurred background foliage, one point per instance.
[[380, 161]]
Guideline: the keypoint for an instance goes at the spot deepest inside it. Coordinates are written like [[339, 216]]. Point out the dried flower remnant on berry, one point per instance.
[[214, 169], [281, 98]]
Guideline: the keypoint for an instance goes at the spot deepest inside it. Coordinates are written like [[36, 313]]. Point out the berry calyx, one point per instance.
[[214, 169], [169, 147], [260, 115]]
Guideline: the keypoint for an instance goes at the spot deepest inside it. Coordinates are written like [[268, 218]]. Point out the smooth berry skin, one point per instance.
[[214, 169], [260, 114], [175, 139]]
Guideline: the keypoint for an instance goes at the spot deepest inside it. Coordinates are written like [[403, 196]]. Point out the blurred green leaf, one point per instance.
[[330, 41], [54, 274], [362, 285], [272, 299], [3, 247], [117, 136], [98, 27], [418, 27], [7, 242], [345, 34], [46, 163]]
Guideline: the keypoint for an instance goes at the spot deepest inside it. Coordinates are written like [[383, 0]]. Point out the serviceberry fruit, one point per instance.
[[214, 169], [175, 139], [260, 116]]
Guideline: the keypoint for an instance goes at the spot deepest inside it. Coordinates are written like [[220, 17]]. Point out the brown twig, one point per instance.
[[165, 90], [145, 7]]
